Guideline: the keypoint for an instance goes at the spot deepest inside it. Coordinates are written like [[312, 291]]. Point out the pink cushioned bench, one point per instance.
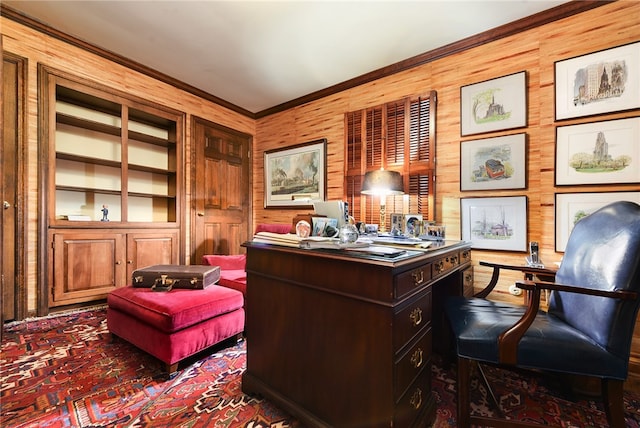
[[177, 324]]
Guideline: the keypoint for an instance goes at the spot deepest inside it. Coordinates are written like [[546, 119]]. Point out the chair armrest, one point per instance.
[[528, 270], [552, 286], [509, 339]]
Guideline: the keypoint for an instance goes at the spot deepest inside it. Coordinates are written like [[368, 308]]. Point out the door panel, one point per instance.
[[11, 286], [86, 266], [222, 192], [148, 249]]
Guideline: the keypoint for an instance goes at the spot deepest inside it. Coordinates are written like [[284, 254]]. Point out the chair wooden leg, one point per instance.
[[464, 373], [612, 393]]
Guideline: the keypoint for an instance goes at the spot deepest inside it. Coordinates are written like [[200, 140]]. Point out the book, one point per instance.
[[78, 217]]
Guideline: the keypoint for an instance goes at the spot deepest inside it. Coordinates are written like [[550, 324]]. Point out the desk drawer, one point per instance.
[[408, 322], [411, 280], [414, 402], [444, 265], [411, 364]]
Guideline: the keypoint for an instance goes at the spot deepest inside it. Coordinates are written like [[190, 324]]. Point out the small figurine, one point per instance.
[[105, 212]]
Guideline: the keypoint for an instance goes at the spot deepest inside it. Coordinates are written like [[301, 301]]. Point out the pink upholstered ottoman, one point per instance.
[[174, 325]]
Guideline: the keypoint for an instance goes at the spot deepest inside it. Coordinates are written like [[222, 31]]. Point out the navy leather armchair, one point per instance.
[[587, 328]]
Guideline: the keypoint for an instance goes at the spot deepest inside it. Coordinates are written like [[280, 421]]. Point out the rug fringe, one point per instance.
[[57, 314]]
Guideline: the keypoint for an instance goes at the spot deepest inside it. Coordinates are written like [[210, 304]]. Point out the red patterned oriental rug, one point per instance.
[[66, 371]]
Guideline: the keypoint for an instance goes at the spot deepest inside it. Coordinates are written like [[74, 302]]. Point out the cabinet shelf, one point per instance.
[[150, 139], [88, 190], [151, 169], [87, 159], [79, 122], [114, 192]]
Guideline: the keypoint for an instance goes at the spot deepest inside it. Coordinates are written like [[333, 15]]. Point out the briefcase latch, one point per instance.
[[163, 283]]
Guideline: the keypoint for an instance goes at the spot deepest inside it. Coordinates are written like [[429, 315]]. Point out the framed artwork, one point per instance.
[[601, 82], [496, 223], [493, 163], [606, 152], [494, 105], [295, 176], [571, 207]]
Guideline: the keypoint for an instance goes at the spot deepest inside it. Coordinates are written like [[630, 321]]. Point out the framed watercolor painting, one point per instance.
[[601, 82], [571, 207], [494, 105], [295, 176], [493, 163], [496, 223], [606, 152]]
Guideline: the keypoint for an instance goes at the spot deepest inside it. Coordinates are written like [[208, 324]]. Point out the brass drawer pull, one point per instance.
[[416, 358], [416, 399], [418, 277], [439, 266], [416, 316]]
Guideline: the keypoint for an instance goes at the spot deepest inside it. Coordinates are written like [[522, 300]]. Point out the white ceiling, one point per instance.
[[260, 54]]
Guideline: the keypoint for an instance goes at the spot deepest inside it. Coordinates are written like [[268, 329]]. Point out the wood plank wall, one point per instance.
[[534, 51]]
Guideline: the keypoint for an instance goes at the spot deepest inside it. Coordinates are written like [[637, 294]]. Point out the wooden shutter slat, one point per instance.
[[419, 137], [374, 138]]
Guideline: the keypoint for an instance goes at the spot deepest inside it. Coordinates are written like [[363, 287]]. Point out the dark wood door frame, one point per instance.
[[20, 172]]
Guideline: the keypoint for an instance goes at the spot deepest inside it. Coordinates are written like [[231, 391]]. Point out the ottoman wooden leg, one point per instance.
[[172, 370]]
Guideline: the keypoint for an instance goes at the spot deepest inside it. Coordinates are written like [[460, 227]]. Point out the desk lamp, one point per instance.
[[382, 183]]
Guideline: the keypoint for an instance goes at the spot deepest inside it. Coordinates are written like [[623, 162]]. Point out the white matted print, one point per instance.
[[600, 82], [493, 163], [495, 223], [606, 152], [571, 207], [494, 105]]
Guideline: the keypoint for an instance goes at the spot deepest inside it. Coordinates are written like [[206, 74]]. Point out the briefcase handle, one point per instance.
[[164, 283]]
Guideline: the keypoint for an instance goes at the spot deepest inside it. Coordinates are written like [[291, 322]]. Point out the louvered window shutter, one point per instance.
[[399, 136]]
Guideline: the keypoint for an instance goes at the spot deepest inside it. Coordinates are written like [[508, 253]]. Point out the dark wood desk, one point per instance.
[[343, 341]]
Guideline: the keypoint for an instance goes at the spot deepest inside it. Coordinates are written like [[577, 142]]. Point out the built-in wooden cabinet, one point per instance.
[[113, 186], [86, 264]]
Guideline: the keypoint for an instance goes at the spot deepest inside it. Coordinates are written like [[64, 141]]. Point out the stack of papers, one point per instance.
[[403, 242], [362, 245], [286, 239], [291, 240]]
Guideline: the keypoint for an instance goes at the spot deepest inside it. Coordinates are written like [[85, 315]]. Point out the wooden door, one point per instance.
[[221, 190], [12, 222]]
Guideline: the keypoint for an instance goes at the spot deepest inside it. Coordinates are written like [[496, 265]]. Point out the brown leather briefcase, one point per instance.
[[166, 277]]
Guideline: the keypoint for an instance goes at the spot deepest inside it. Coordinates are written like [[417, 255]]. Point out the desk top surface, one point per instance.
[[407, 254]]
